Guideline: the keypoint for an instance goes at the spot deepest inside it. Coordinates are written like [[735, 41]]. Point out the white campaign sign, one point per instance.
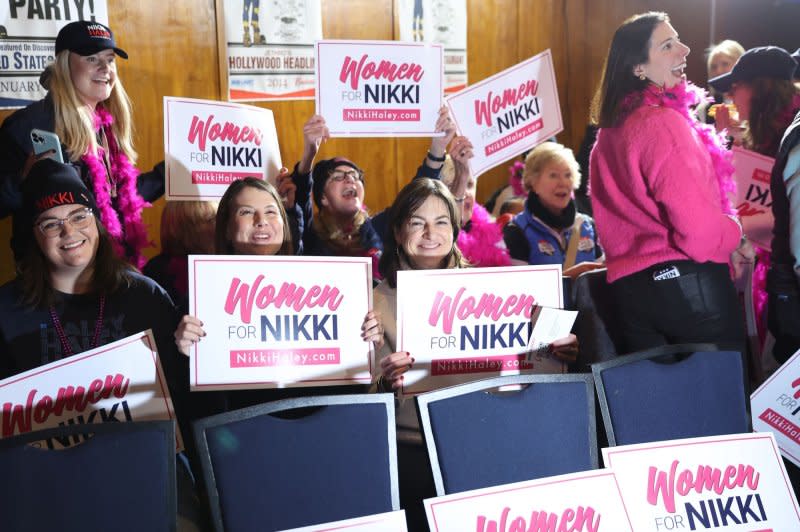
[[588, 501], [461, 325], [120, 381], [209, 144], [274, 321], [753, 196], [386, 522], [379, 88], [733, 483], [775, 408], [509, 112]]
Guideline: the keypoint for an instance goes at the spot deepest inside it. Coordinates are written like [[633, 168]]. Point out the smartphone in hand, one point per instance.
[[44, 141]]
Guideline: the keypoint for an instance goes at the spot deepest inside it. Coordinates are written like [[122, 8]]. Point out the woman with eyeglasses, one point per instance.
[[343, 225], [74, 293]]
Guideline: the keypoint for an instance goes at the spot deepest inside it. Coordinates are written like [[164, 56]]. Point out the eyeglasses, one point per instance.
[[340, 176], [51, 227]]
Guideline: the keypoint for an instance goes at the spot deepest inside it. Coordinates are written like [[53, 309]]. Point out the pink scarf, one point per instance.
[[683, 98], [479, 246], [128, 231]]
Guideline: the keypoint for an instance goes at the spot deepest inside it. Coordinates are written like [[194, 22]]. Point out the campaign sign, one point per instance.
[[209, 144], [275, 321], [733, 483], [775, 408], [462, 325], [118, 382], [753, 197], [379, 88], [588, 501], [386, 522], [510, 112]]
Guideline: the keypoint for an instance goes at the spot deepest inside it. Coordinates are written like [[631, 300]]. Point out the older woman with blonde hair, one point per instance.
[[89, 110], [550, 230]]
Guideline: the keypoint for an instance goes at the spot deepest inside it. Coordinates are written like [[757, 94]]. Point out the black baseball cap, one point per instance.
[[86, 37], [761, 62]]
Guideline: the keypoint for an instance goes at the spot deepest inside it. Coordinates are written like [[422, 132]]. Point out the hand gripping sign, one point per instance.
[[379, 88], [732, 483], [209, 144], [509, 113], [120, 381], [775, 408], [585, 502], [274, 321], [462, 325]]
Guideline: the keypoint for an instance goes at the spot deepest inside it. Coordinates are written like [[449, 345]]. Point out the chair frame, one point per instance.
[[423, 400], [200, 427], [646, 354], [166, 427]]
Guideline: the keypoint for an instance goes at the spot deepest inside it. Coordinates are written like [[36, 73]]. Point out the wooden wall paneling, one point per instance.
[[492, 46]]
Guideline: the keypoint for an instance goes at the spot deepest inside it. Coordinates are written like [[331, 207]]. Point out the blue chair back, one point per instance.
[[672, 392], [299, 462], [477, 439], [120, 477]]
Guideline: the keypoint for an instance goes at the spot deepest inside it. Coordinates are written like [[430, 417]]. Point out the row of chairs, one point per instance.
[[312, 460]]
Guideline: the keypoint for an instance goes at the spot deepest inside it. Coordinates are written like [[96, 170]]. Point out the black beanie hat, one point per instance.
[[321, 173]]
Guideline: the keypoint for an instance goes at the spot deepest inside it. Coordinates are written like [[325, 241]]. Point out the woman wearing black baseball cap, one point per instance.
[[89, 110]]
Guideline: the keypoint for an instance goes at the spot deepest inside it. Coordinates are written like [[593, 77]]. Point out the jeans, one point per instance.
[[679, 302]]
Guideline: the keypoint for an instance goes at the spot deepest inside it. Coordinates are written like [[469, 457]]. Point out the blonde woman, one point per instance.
[[550, 230], [89, 110]]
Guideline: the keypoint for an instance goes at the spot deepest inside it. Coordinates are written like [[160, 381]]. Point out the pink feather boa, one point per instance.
[[479, 246], [130, 230], [683, 98]]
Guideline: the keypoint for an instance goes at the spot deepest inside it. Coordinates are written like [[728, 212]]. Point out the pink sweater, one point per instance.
[[655, 194]]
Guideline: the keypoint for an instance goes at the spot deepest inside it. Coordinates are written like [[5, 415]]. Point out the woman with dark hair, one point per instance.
[[74, 293], [343, 226], [762, 86], [423, 228], [250, 220], [659, 180]]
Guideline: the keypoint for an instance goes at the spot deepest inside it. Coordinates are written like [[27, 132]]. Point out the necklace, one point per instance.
[[62, 337]]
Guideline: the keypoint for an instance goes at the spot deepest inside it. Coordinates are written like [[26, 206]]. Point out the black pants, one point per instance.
[[679, 302]]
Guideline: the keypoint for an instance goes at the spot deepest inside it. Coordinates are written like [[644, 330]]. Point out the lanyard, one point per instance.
[[98, 325]]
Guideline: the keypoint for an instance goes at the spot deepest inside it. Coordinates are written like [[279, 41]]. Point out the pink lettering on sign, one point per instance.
[[366, 70], [447, 308], [202, 131], [705, 478], [494, 103], [206, 177], [290, 295], [461, 366], [17, 419], [761, 175], [258, 358], [542, 521], [380, 115], [781, 424], [514, 137]]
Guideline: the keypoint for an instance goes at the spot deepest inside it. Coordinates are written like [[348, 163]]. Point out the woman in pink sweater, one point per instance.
[[659, 183]]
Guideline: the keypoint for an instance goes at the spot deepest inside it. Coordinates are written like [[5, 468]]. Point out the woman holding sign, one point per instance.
[[659, 189], [88, 108], [423, 228], [343, 226], [73, 293]]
